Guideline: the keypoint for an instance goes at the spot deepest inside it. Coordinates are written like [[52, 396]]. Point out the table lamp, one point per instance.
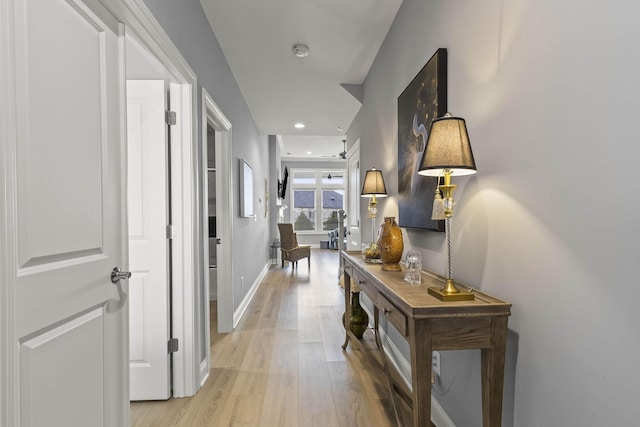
[[448, 153], [373, 186]]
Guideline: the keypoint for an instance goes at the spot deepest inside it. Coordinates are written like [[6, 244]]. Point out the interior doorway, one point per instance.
[[217, 211], [146, 60], [217, 134]]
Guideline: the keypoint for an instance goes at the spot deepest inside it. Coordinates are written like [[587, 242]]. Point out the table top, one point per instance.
[[415, 299]]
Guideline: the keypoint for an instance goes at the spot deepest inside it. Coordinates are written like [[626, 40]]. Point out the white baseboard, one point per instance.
[[204, 372], [438, 415], [242, 308]]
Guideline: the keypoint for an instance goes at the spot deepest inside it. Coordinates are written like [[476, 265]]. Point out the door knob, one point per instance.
[[116, 275]]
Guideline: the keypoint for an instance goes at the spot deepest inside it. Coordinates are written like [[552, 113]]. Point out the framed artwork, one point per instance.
[[423, 100], [246, 189]]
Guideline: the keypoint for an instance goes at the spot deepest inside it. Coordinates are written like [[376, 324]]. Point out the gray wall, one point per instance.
[[551, 220], [187, 26]]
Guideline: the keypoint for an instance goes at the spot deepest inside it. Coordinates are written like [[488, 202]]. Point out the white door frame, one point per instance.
[[141, 24], [8, 258], [212, 115], [353, 200]]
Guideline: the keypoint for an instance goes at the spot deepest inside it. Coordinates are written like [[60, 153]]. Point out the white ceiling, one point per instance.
[[281, 89]]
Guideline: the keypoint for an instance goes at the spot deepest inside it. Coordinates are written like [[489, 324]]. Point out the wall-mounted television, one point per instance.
[[283, 187]]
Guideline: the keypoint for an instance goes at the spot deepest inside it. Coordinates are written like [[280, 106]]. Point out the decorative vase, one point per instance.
[[359, 320], [390, 244]]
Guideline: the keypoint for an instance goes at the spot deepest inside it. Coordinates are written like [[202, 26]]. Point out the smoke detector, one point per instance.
[[300, 50]]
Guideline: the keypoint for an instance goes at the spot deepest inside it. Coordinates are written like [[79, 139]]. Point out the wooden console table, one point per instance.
[[429, 324]]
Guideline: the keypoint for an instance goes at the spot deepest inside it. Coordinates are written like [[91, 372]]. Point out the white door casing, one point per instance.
[[353, 198], [63, 214], [211, 114], [149, 360]]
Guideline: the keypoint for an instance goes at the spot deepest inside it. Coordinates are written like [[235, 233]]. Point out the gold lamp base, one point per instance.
[[450, 293]]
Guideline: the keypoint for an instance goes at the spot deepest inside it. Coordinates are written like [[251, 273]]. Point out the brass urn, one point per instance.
[[390, 244]]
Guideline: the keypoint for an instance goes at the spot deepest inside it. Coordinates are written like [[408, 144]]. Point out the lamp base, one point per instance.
[[443, 295]]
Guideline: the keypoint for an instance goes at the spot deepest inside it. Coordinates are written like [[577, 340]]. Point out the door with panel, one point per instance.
[[64, 348], [148, 207]]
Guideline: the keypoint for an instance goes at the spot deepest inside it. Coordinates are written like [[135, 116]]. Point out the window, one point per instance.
[[332, 202], [317, 195], [304, 210]]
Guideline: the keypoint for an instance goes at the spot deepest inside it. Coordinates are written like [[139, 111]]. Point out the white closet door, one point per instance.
[[148, 244]]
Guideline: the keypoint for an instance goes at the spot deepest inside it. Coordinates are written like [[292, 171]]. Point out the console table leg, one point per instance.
[[493, 359], [376, 322], [346, 342], [421, 347], [347, 308]]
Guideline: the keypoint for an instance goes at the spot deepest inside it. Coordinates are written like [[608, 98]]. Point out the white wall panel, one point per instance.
[[60, 150]]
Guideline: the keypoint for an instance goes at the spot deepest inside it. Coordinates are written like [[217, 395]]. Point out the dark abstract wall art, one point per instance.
[[423, 100]]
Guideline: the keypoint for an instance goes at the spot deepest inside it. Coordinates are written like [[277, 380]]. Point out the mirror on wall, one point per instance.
[[246, 189]]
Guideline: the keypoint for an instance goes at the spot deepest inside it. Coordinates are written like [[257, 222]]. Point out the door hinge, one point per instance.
[[170, 118], [169, 231], [173, 345]]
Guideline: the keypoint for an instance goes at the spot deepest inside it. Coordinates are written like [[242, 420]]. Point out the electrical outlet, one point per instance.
[[435, 362]]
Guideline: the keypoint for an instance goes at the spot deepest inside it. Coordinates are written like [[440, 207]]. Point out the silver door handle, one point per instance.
[[116, 275]]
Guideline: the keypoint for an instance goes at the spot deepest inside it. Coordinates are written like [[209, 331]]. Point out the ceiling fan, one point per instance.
[[343, 155]]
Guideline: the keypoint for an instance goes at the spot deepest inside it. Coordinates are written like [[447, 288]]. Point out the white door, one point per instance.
[[353, 198], [148, 245], [62, 192]]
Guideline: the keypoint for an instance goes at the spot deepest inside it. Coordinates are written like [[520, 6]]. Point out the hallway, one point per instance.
[[284, 365]]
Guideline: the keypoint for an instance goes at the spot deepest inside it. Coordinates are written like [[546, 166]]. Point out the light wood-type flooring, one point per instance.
[[284, 365]]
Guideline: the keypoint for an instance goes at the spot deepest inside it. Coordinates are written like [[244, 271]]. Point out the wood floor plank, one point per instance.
[[280, 404], [316, 404], [159, 413], [254, 369], [348, 396], [332, 331], [240, 411], [288, 316], [211, 398]]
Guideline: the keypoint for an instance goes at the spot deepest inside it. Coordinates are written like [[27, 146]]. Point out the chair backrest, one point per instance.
[[288, 238]]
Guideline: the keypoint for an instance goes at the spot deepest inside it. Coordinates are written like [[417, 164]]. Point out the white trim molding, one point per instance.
[[213, 116], [224, 208], [244, 304], [8, 262]]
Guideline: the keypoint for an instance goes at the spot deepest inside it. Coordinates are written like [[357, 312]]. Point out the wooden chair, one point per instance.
[[289, 247]]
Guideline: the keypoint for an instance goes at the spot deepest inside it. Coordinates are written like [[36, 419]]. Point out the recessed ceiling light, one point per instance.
[[308, 152], [299, 125], [300, 50], [339, 128]]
